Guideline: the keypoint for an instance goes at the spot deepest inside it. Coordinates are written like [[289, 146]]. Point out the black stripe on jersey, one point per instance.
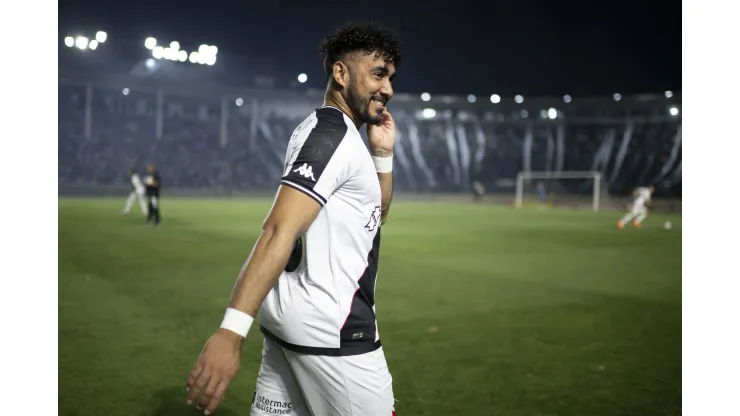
[[320, 199], [331, 352], [317, 151], [359, 327]]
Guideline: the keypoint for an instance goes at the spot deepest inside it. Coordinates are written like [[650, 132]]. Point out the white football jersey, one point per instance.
[[324, 301], [138, 185], [642, 195]]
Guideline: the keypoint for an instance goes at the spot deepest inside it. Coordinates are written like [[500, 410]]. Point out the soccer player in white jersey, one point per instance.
[[136, 193], [639, 209], [312, 272]]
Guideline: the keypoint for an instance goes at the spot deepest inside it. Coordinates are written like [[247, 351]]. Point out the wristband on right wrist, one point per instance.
[[383, 164], [237, 321]]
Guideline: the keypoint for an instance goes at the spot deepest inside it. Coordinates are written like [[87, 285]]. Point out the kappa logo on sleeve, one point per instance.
[[306, 171]]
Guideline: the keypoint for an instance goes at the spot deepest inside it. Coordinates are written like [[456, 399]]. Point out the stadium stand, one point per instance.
[[204, 142]]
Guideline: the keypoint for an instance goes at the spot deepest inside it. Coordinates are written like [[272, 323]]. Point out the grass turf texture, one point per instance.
[[482, 310]]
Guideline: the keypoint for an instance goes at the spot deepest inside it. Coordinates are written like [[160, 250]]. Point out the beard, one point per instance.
[[360, 105]]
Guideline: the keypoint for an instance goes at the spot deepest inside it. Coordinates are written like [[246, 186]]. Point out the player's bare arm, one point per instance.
[[291, 215], [386, 191], [382, 138]]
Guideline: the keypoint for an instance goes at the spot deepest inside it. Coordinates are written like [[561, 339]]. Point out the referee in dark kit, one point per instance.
[[152, 182]]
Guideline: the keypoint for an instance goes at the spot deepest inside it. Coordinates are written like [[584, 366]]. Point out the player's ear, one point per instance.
[[340, 73]]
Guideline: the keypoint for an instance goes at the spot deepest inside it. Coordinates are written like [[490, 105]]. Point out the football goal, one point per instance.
[[573, 189]]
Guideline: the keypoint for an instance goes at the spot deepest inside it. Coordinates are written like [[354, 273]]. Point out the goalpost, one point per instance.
[[588, 188]]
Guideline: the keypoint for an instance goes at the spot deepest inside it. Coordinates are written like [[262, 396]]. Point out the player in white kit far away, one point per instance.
[[137, 193], [639, 210], [312, 272]]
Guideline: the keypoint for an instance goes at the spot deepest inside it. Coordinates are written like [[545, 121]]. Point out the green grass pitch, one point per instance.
[[482, 310]]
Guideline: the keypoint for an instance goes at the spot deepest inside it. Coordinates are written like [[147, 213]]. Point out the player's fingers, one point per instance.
[[207, 395], [218, 395], [194, 373], [199, 385]]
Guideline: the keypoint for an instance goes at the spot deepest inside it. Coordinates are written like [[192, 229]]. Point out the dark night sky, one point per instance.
[[458, 47]]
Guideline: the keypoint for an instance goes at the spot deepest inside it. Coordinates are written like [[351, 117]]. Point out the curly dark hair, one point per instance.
[[368, 37]]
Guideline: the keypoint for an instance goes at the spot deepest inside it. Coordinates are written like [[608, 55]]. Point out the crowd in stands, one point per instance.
[[104, 135]]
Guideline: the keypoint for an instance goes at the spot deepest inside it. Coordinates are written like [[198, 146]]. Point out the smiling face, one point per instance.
[[369, 87], [360, 60]]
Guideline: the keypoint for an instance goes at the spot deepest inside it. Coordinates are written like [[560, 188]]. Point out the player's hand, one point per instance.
[[216, 366], [382, 137]]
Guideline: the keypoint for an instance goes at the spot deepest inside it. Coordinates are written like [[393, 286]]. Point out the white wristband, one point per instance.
[[383, 164], [237, 321]]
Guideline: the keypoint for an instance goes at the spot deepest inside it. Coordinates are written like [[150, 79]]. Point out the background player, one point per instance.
[[152, 182], [322, 352], [639, 206], [137, 193]]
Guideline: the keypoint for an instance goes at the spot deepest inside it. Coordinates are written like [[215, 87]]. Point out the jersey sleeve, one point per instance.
[[323, 162]]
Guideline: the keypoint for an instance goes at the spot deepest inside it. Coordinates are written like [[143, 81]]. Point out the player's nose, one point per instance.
[[387, 90]]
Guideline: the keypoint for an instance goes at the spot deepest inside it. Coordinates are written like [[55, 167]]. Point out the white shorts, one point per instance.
[[638, 208], [296, 384]]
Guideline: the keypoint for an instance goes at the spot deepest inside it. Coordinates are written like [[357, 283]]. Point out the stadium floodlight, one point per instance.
[[205, 55], [617, 97], [150, 63], [425, 96], [567, 98], [552, 113], [429, 113], [668, 94], [81, 42], [673, 111], [543, 114], [518, 99], [239, 102], [125, 91], [471, 98], [93, 44], [302, 78], [158, 52], [495, 98], [524, 113], [591, 181], [69, 41], [150, 43], [101, 36]]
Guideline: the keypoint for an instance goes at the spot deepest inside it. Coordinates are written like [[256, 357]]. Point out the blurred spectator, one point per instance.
[[443, 153]]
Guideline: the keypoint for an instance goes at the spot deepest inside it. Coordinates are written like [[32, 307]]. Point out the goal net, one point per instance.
[[569, 189]]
